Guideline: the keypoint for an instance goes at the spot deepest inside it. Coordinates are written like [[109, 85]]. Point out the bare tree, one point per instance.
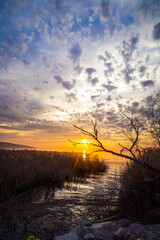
[[152, 118], [125, 152]]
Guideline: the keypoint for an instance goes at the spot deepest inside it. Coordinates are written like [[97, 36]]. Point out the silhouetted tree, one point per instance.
[[126, 152], [152, 118]]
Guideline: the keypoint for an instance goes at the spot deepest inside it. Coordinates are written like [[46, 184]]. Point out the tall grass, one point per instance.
[[140, 188], [23, 170]]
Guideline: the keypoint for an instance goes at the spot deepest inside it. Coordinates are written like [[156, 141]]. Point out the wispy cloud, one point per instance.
[[72, 60]]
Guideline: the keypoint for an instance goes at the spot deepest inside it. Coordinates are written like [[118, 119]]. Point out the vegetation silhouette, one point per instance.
[[31, 171], [151, 124], [140, 181]]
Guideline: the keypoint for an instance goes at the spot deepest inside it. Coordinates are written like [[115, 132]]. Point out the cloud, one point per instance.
[[156, 31], [109, 98], [68, 85], [65, 84], [51, 97], [91, 80], [142, 69], [150, 7], [108, 55], [45, 83], [56, 4], [16, 107], [26, 62], [147, 83], [126, 19], [109, 70], [71, 97], [16, 47], [128, 47], [149, 99], [134, 41], [99, 115], [9, 42], [100, 57], [94, 81], [135, 104], [58, 78], [89, 71], [99, 105], [78, 69], [105, 8], [36, 124], [93, 97], [34, 106], [75, 52], [109, 87], [127, 73], [112, 116]]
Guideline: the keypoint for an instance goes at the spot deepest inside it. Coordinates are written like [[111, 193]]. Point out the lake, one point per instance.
[[92, 199]]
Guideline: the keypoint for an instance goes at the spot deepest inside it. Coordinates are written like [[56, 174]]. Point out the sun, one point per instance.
[[84, 141]]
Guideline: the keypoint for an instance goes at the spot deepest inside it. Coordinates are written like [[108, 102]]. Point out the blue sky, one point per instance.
[[66, 62]]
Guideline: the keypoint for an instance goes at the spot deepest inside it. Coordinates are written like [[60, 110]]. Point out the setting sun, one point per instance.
[[84, 141]]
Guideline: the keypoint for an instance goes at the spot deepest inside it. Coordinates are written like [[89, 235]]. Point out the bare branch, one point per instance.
[[134, 124], [96, 151]]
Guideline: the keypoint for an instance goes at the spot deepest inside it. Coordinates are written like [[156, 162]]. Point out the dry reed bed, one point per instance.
[[140, 188], [23, 170]]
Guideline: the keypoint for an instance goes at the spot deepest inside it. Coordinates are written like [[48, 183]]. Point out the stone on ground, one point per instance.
[[89, 236], [68, 236], [80, 228], [123, 223], [101, 230]]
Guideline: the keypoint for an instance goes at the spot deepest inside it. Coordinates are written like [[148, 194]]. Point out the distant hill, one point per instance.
[[6, 145]]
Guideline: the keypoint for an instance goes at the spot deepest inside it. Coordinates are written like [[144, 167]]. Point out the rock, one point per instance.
[[101, 230], [154, 236], [154, 227], [80, 228], [89, 236], [130, 236], [138, 229], [123, 223], [110, 236], [68, 236], [120, 232]]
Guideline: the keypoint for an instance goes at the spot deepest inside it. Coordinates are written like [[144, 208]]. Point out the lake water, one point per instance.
[[93, 200], [95, 185]]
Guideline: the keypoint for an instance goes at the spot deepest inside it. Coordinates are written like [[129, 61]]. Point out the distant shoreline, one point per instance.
[[7, 145]]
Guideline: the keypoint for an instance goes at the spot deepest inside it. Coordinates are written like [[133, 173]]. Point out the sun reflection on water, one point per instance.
[[84, 154]]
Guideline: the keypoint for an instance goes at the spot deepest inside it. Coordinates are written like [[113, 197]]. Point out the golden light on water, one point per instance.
[[84, 142], [84, 154]]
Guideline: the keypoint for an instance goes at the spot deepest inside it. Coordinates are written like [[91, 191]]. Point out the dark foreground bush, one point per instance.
[[23, 170], [140, 188]]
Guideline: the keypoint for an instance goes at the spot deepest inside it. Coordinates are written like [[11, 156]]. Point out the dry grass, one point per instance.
[[139, 193], [23, 170]]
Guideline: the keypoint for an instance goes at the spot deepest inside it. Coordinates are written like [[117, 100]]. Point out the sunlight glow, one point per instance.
[[84, 154], [84, 141]]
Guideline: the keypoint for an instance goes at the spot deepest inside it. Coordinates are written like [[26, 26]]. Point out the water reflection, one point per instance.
[[84, 154], [93, 200], [95, 187]]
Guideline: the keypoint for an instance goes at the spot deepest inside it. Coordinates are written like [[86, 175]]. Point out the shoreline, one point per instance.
[[122, 229]]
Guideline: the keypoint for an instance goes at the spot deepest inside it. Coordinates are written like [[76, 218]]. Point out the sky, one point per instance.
[[66, 62]]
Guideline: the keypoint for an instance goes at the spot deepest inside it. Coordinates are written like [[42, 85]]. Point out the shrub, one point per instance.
[[140, 188]]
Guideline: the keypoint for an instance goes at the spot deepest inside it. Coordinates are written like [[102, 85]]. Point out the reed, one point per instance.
[[23, 170], [140, 188]]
